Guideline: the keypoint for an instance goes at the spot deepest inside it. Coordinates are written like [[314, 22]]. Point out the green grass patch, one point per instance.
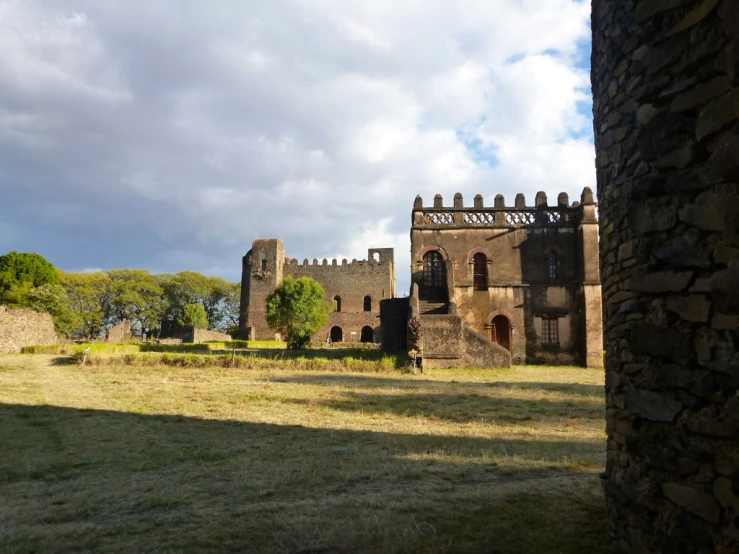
[[248, 360], [74, 348], [179, 452]]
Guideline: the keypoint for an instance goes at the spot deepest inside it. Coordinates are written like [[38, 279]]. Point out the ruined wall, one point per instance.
[[193, 335], [119, 333], [448, 343], [265, 266], [516, 241], [666, 91], [19, 328]]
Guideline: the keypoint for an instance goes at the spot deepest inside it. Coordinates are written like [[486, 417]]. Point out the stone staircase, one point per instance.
[[431, 307]]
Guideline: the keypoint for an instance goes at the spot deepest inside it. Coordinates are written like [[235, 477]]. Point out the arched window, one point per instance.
[[552, 264], [480, 271], [337, 303], [367, 335], [264, 265], [433, 271], [368, 303]]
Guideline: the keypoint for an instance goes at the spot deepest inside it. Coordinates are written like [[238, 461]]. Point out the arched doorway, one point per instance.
[[367, 335], [434, 275], [337, 335], [500, 331]]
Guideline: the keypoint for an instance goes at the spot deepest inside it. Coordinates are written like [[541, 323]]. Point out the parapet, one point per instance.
[[379, 258], [501, 215]]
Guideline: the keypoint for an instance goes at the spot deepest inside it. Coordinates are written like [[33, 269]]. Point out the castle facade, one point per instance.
[[490, 286], [526, 278], [353, 289]]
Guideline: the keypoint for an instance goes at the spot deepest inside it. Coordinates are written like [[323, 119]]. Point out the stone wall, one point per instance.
[[203, 335], [448, 343], [119, 333], [666, 102], [265, 266], [19, 328]]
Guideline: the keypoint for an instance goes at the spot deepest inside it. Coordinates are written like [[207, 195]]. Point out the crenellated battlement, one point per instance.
[[500, 215], [336, 264]]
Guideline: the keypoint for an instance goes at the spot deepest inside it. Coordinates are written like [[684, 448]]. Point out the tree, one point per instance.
[[231, 310], [52, 299], [190, 287], [194, 314], [17, 268], [87, 293], [296, 309], [135, 294]]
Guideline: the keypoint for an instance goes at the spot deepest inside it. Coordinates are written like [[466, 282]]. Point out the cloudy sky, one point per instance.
[[169, 134]]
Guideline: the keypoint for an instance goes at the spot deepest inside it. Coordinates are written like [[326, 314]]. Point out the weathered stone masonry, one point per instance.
[[523, 277], [19, 328], [358, 286], [665, 79]]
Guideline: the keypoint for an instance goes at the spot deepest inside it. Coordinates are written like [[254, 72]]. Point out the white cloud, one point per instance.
[[187, 130]]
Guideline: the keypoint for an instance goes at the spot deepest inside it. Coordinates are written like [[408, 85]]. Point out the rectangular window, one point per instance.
[[550, 330]]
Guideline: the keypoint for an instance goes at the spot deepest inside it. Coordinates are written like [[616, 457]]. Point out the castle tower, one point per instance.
[[665, 81], [261, 271]]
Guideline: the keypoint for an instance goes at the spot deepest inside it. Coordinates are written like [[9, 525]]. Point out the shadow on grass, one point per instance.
[[65, 360], [75, 479], [412, 382], [465, 408]]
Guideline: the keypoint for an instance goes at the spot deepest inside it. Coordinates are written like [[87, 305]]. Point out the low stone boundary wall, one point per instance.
[[20, 327], [203, 335]]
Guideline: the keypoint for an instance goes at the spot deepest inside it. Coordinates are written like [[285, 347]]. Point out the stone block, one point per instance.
[[706, 213], [695, 500], [694, 16], [649, 218], [725, 160], [652, 405], [700, 95], [690, 308], [719, 113], [684, 251], [648, 339], [649, 8], [660, 281]]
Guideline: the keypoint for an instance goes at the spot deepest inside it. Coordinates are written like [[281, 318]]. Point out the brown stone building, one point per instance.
[[524, 277], [354, 289]]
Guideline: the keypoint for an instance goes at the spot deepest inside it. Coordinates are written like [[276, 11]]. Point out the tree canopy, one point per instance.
[[18, 268], [297, 309], [194, 314], [84, 304]]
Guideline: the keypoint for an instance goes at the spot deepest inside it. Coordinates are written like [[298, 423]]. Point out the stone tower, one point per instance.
[[261, 272], [665, 78]]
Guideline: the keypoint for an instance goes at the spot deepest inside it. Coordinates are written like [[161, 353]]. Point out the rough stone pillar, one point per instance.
[[666, 95], [592, 301]]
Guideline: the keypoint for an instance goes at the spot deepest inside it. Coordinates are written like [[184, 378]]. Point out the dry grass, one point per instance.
[[113, 458]]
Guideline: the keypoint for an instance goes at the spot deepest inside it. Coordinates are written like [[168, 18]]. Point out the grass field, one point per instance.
[[113, 458]]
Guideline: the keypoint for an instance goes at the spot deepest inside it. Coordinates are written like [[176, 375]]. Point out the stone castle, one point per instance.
[[526, 278], [354, 290], [490, 286]]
